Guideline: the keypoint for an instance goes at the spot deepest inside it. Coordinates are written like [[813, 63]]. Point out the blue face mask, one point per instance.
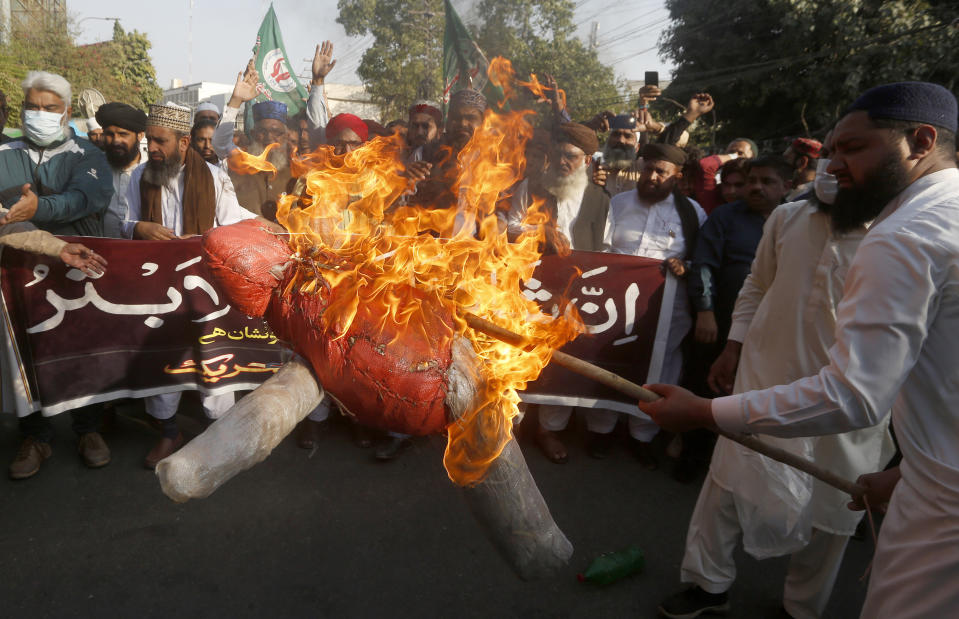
[[826, 185], [43, 128]]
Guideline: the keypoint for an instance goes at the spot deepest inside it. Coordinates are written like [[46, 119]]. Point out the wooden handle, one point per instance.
[[637, 392]]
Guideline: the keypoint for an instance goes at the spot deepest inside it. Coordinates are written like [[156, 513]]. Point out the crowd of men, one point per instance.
[[830, 267]]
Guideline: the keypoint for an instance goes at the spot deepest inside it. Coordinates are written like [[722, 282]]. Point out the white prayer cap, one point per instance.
[[208, 106], [93, 125]]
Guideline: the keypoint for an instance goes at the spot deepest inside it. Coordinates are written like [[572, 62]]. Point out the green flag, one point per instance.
[[464, 64], [278, 81]]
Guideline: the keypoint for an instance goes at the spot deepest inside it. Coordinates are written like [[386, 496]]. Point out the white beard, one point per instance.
[[278, 156], [566, 187]]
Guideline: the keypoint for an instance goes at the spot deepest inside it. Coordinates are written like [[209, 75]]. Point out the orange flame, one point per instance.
[[501, 74], [349, 215], [243, 162]]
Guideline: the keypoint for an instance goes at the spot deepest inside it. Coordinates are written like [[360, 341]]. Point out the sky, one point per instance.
[[223, 34]]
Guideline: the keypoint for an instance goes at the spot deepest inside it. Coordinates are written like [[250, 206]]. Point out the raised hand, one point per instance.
[[245, 88], [648, 94], [700, 103], [323, 62]]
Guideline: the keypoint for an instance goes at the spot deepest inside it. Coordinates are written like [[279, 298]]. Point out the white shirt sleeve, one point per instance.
[[882, 322], [316, 113], [228, 209], [223, 136]]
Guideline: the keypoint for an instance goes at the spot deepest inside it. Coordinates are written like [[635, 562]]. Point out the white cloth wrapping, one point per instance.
[[228, 210], [895, 347]]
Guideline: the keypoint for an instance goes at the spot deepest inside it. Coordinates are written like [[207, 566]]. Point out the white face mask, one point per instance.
[[43, 128], [826, 185]]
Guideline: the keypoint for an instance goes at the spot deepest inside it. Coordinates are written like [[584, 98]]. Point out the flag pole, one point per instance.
[[637, 392]]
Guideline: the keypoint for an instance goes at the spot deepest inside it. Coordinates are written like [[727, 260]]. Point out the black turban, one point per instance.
[[920, 102], [123, 116], [664, 152], [580, 136]]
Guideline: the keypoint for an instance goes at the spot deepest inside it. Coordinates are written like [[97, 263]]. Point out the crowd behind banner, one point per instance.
[[758, 248]]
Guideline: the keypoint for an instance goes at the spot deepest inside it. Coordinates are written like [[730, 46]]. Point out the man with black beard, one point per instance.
[[175, 194], [577, 210], [893, 155], [123, 128], [201, 140], [782, 326], [619, 155], [655, 221]]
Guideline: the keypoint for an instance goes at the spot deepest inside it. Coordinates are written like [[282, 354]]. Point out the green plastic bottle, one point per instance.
[[611, 566]]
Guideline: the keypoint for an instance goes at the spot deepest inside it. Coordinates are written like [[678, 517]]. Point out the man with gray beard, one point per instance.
[[258, 192], [577, 211], [175, 194]]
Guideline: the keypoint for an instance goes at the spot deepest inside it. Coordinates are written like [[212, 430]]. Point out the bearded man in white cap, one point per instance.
[[176, 194]]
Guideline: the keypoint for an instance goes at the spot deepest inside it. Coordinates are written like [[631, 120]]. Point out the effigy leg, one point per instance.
[[506, 501], [511, 508], [242, 437]]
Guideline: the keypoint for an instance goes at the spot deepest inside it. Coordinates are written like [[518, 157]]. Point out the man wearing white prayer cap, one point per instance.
[[206, 110]]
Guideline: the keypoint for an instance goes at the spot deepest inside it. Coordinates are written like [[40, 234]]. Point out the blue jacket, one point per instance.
[[723, 257], [71, 178]]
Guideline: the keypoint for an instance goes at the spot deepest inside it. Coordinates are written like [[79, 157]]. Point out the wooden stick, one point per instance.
[[637, 392]]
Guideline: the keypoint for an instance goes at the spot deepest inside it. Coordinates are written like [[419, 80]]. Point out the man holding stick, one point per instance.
[[894, 152], [782, 326]]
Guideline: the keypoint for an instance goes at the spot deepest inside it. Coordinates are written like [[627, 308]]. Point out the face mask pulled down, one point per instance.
[[825, 184], [42, 128]]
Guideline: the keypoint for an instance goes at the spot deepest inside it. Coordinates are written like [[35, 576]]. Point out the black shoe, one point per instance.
[[391, 447], [361, 436], [644, 453], [599, 445], [693, 602]]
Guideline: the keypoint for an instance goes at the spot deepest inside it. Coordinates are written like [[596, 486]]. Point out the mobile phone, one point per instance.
[[652, 78]]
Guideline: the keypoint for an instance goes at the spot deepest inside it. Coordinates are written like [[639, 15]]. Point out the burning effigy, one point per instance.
[[374, 293]]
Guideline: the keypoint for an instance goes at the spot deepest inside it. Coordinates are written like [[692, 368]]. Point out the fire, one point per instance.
[[242, 162], [502, 75], [375, 254]]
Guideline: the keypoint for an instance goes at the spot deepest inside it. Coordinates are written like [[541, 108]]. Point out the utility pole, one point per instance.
[[430, 64], [594, 35], [190, 47]]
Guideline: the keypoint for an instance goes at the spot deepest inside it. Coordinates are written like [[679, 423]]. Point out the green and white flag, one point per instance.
[[464, 64], [278, 81]]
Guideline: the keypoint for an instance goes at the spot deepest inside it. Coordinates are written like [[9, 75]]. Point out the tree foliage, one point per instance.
[[404, 62], [120, 69], [780, 68]]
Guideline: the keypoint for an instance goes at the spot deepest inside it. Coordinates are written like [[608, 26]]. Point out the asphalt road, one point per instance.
[[336, 534]]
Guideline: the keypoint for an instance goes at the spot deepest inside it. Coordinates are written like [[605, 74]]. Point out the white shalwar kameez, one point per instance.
[[652, 231], [552, 417], [228, 211], [785, 317], [895, 347]]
